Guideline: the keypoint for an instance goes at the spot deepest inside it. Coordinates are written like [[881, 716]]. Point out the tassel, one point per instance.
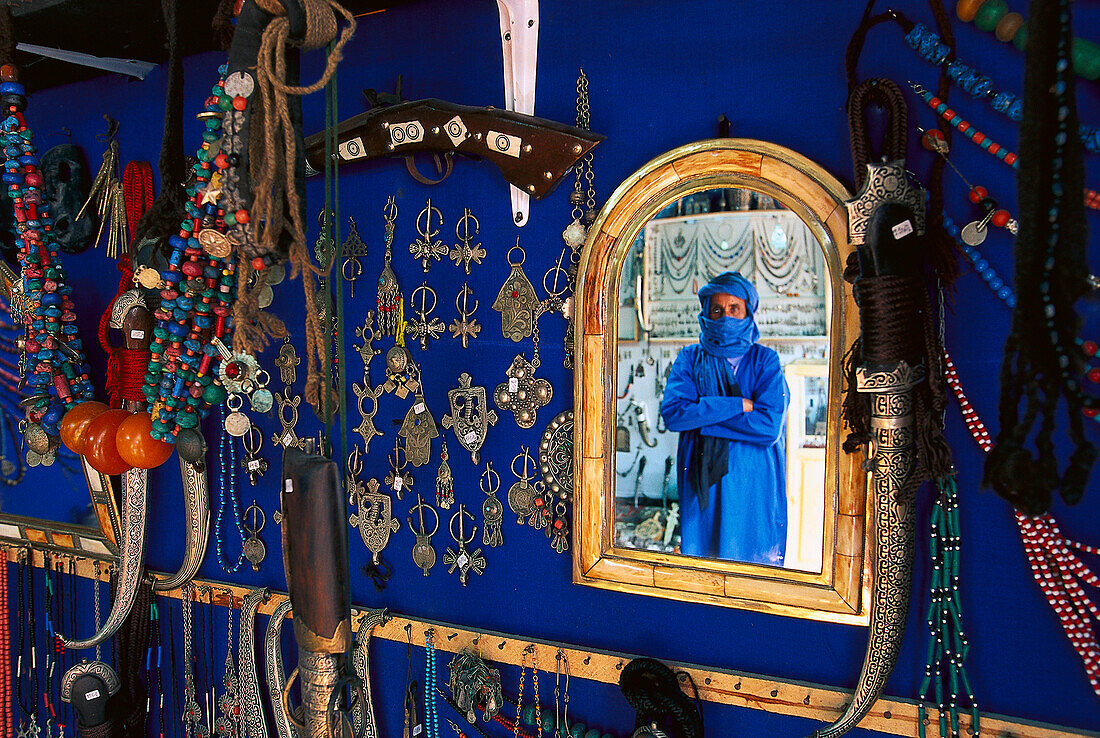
[[107, 194]]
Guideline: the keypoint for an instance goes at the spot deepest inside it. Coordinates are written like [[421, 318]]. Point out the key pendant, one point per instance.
[[428, 247], [465, 326], [253, 463], [423, 326], [423, 555], [253, 522], [491, 509], [418, 430], [288, 361], [389, 291], [559, 535], [444, 481], [463, 560], [516, 301], [470, 415], [523, 394], [521, 495], [463, 253], [398, 479], [354, 249]]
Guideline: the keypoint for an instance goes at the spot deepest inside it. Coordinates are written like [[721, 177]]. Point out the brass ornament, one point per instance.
[[423, 555], [253, 547], [418, 430], [428, 247], [516, 301], [523, 394], [422, 326], [353, 250], [398, 479], [374, 519], [470, 415], [463, 253], [491, 510], [461, 559], [389, 291], [465, 326], [444, 481], [215, 243], [522, 494], [288, 362]]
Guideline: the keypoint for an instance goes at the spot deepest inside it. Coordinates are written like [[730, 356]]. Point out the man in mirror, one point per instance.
[[727, 397]]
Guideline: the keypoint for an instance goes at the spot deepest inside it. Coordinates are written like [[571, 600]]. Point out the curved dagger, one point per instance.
[[363, 720], [252, 712], [276, 677], [131, 556], [196, 504]]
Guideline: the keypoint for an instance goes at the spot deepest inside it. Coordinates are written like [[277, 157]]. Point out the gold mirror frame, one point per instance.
[[840, 592]]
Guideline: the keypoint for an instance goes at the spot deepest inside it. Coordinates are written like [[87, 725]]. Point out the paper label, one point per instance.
[[137, 333], [398, 483], [417, 730], [513, 384], [902, 229], [352, 149], [288, 439], [288, 486], [418, 408], [253, 465], [470, 437], [503, 143], [91, 695]]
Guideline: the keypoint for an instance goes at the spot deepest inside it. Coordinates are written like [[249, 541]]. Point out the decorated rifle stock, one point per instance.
[[532, 153]]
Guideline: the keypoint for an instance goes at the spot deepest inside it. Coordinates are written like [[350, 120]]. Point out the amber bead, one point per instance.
[[967, 9], [1007, 26]]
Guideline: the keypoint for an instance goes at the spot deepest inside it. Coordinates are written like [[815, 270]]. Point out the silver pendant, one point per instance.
[[423, 327], [470, 415], [236, 372], [542, 513], [559, 529], [288, 361], [464, 253], [974, 233], [402, 373], [428, 247], [522, 494], [462, 560], [523, 394], [491, 509], [236, 423], [465, 326], [354, 249], [444, 481], [418, 430], [366, 427], [516, 301], [423, 555], [375, 519], [253, 548], [367, 351], [398, 479], [253, 463], [389, 291], [287, 437]]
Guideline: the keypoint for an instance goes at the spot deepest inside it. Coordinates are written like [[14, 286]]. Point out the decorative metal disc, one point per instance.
[[556, 455]]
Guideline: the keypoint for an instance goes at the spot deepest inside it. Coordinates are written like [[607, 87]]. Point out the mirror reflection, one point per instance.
[[722, 402]]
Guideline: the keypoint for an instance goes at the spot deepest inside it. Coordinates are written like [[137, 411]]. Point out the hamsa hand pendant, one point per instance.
[[418, 430], [516, 301]]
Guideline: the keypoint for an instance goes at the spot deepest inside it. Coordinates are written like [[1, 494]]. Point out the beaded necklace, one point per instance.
[[1055, 565], [5, 652], [195, 311], [228, 463], [932, 49], [431, 711], [53, 360], [985, 271]]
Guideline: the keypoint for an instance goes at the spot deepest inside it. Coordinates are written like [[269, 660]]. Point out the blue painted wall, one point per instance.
[[661, 73]]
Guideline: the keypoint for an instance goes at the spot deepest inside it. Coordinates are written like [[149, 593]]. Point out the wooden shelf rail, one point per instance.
[[890, 715]]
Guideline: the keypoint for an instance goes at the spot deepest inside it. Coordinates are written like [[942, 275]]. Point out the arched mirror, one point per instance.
[[713, 322]]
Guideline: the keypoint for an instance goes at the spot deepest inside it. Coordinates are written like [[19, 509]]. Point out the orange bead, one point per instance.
[[967, 9], [75, 423], [240, 103], [9, 73], [99, 442], [137, 447], [242, 216], [1000, 218]]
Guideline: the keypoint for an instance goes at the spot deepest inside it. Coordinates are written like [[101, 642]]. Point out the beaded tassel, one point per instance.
[[197, 300], [1057, 569], [53, 360], [947, 644]]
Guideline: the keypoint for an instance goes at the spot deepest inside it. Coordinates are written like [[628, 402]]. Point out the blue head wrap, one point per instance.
[[728, 337]]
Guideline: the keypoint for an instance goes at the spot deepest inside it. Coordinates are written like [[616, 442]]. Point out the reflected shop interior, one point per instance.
[[680, 250]]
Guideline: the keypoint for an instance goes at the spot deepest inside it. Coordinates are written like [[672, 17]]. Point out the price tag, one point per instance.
[[418, 408], [288, 439], [902, 229], [91, 695], [470, 437], [137, 333], [253, 465], [288, 486], [398, 483], [417, 730], [513, 384]]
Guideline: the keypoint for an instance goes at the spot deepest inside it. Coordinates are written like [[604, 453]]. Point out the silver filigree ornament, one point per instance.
[[463, 253], [423, 555], [470, 415], [462, 559], [374, 519], [886, 182], [418, 430], [428, 247], [423, 326], [523, 394]]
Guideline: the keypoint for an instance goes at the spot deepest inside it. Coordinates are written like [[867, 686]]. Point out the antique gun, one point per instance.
[[532, 153]]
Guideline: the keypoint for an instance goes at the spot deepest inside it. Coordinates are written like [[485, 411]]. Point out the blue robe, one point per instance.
[[746, 514]]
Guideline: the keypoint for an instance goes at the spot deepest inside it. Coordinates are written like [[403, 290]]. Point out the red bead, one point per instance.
[[242, 216], [932, 140], [1089, 347], [1000, 218], [221, 160], [233, 370], [1091, 412], [963, 126], [1094, 374], [977, 194], [978, 138], [258, 264], [240, 103]]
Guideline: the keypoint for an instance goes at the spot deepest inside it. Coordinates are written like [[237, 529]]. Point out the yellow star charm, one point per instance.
[[210, 197]]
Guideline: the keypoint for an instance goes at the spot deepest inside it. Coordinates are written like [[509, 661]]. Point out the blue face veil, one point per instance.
[[728, 337]]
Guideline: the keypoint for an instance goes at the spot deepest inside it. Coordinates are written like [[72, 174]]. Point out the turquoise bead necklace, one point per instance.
[[227, 493], [431, 711]]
